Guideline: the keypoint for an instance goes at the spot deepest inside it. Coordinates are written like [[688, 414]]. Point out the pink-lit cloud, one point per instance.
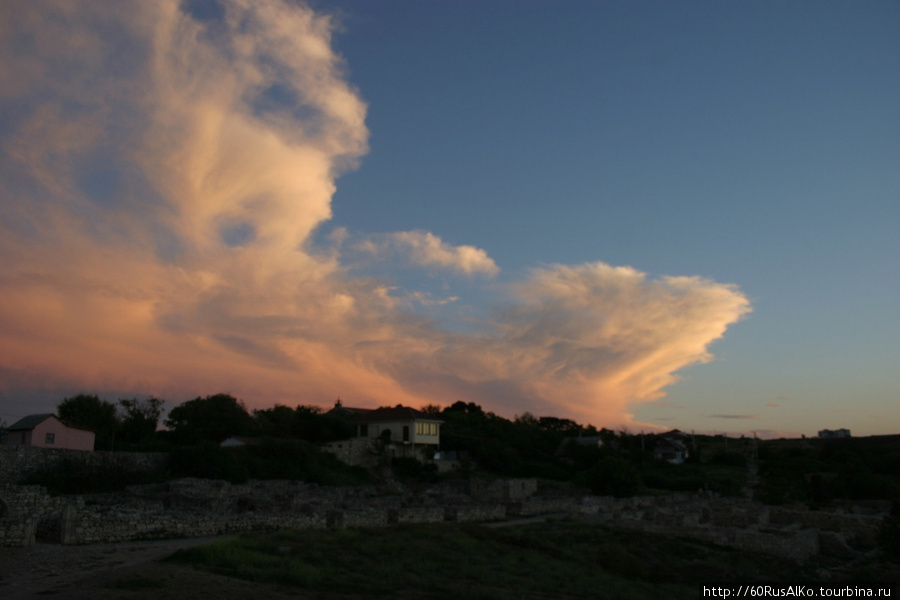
[[160, 181], [588, 340]]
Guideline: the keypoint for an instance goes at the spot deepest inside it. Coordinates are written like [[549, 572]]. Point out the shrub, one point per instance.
[[729, 459], [613, 476], [410, 469], [889, 533], [270, 459], [79, 477], [208, 460]]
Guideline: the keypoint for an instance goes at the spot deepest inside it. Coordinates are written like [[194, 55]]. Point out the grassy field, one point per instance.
[[546, 560]]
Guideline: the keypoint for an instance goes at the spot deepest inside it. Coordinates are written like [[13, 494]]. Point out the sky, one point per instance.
[[640, 215]]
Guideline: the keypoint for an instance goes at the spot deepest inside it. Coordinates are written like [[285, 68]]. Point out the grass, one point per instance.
[[689, 477], [558, 560], [136, 584]]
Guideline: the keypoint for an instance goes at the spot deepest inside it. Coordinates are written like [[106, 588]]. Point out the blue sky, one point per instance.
[[753, 143], [508, 157]]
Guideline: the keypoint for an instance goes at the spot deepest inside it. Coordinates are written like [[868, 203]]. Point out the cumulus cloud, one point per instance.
[[162, 171], [192, 259], [424, 249], [588, 340]]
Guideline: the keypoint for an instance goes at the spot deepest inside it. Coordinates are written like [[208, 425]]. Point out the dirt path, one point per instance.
[[127, 569], [52, 569]]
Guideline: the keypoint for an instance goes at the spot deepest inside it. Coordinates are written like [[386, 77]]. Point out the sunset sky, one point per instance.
[[640, 215]]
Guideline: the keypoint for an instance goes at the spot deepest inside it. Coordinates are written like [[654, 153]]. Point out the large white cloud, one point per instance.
[[160, 179], [588, 339]]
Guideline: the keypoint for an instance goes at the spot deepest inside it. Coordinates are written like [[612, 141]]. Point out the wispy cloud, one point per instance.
[[746, 417], [777, 401], [161, 177], [667, 404]]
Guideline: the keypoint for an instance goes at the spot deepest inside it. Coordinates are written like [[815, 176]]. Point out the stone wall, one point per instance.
[[24, 508], [26, 500], [505, 490], [17, 532], [795, 534], [362, 452], [197, 507], [18, 462], [841, 532], [825, 520]]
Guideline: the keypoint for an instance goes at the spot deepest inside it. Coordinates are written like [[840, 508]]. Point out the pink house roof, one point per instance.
[[29, 422], [32, 421]]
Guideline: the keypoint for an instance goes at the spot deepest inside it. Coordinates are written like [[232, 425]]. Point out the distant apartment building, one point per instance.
[[834, 433]]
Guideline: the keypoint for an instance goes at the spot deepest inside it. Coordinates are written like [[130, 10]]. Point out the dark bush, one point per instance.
[[729, 459], [208, 460], [268, 459], [412, 470], [613, 476], [889, 533], [79, 477]]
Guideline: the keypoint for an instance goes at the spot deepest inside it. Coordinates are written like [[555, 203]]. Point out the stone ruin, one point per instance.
[[198, 508]]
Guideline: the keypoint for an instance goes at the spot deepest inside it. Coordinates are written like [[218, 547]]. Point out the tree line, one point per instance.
[[609, 462], [134, 423], [482, 441]]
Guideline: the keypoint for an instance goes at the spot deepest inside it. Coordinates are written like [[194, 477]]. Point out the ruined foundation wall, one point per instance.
[[18, 462], [198, 508]]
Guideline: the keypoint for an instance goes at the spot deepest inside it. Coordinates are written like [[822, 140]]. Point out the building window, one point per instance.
[[49, 438], [406, 433], [426, 428], [363, 431]]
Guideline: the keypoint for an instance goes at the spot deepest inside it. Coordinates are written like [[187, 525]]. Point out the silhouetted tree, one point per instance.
[[566, 427], [460, 406], [278, 421], [212, 418], [92, 413], [305, 422], [140, 418]]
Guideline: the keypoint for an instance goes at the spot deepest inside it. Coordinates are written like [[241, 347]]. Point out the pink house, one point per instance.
[[46, 431]]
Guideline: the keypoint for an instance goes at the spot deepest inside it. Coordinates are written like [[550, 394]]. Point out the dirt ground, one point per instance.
[[129, 570], [133, 571]]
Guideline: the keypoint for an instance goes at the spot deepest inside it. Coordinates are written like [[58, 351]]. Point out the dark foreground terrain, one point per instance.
[[539, 560]]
